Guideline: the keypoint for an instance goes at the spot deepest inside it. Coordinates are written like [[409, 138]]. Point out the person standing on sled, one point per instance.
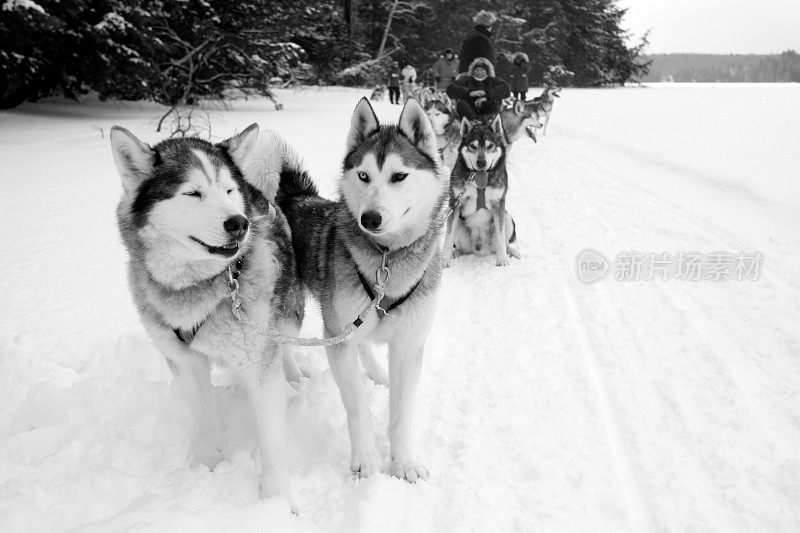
[[480, 42], [478, 92], [519, 75]]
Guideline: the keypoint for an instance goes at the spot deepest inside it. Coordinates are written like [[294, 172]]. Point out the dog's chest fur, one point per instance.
[[208, 304], [495, 192]]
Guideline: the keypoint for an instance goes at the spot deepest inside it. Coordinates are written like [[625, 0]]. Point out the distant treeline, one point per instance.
[[783, 67]]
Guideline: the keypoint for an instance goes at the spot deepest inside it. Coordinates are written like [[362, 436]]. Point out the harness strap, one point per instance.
[[187, 336], [381, 308]]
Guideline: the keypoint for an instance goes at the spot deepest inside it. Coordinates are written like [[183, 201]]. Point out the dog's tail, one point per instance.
[[271, 163], [294, 182]]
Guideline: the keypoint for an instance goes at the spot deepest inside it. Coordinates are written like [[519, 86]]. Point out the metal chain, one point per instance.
[[457, 201], [382, 275]]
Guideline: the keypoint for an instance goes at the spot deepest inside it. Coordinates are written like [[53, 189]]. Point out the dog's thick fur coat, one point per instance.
[[393, 192], [186, 216]]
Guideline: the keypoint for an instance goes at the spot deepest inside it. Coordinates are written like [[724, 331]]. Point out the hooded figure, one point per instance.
[[445, 69], [480, 42], [478, 92], [519, 75]]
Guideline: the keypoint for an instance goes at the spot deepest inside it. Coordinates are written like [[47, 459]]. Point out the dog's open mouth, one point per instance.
[[227, 250]]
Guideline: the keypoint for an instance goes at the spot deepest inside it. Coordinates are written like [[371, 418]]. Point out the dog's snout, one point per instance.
[[371, 220], [480, 163], [236, 226]]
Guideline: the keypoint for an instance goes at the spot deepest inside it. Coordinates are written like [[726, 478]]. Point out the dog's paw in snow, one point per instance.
[[513, 252], [502, 261], [411, 471], [366, 462]]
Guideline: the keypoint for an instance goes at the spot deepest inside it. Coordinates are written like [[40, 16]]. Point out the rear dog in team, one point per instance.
[[542, 105], [446, 126], [393, 193], [518, 119], [478, 223], [195, 230]]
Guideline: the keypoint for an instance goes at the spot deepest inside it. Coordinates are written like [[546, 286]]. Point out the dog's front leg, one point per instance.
[[266, 388], [365, 459], [191, 373], [500, 242], [405, 363]]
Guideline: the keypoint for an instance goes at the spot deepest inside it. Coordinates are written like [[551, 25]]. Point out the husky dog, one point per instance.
[[378, 94], [442, 114], [543, 104], [479, 222], [519, 119], [390, 214], [204, 246]]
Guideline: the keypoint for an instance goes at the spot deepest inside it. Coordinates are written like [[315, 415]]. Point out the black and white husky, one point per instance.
[[479, 223], [207, 247], [380, 243]]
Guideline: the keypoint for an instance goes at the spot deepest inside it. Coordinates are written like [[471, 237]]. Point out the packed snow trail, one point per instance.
[[544, 403]]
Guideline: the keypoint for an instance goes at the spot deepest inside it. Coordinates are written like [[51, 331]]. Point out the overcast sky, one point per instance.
[[716, 26]]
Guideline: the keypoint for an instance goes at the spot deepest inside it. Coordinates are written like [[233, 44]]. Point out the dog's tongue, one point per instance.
[[531, 131], [481, 180]]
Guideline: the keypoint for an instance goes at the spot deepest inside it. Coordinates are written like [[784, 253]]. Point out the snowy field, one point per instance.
[[545, 404]]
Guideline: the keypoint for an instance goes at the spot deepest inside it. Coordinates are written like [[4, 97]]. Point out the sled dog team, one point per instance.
[[225, 240]]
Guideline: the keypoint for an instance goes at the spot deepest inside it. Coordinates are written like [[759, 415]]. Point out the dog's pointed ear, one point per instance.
[[242, 145], [134, 159], [445, 100], [466, 127], [416, 125], [425, 97], [497, 125], [519, 107], [363, 124]]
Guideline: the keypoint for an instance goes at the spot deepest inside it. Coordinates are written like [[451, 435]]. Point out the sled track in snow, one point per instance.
[[622, 462]]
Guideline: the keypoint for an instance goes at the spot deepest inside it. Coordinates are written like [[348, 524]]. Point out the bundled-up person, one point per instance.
[[445, 69], [478, 91], [408, 81], [519, 75], [393, 82], [480, 42]]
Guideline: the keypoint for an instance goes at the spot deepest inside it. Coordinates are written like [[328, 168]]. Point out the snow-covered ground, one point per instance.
[[545, 403]]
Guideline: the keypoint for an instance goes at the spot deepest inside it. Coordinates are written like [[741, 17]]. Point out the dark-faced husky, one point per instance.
[[205, 248], [375, 254], [479, 223]]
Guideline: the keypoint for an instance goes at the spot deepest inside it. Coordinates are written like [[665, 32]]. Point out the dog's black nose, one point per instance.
[[236, 226], [371, 220], [480, 163]]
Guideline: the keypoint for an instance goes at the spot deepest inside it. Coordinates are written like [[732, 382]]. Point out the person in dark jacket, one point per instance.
[[480, 42], [478, 92], [445, 69], [519, 75], [393, 82]]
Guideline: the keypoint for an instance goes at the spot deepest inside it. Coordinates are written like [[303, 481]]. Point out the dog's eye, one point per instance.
[[399, 176], [490, 146], [230, 191], [473, 146], [193, 193], [363, 176]]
